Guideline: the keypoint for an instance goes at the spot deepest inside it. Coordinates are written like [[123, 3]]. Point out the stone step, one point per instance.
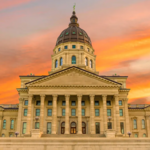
[[73, 135]]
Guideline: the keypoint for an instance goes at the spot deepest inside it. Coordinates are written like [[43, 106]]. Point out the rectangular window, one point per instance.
[[109, 125], [73, 112], [37, 125], [24, 127], [121, 112], [97, 127], [120, 103], [49, 112], [63, 103], [108, 103], [96, 103], [83, 112], [37, 112], [96, 112], [135, 135], [38, 103], [49, 128], [63, 112], [12, 124], [73, 103], [26, 102], [49, 103], [122, 127], [143, 124], [73, 46], [83, 103], [59, 49], [81, 47], [134, 124], [25, 112], [108, 112], [4, 124], [65, 47]]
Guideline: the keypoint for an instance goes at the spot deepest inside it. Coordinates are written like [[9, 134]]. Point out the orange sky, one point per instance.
[[119, 31]]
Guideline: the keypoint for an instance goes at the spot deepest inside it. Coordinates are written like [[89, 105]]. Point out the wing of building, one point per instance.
[[73, 98]]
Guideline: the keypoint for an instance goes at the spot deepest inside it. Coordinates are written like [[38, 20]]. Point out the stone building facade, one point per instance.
[[73, 99]]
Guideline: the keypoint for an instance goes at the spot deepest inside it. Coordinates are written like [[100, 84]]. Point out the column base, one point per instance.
[[119, 134], [35, 133], [110, 133], [79, 132]]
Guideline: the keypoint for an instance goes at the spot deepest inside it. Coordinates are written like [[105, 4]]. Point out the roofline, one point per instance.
[[77, 68], [115, 76], [32, 76]]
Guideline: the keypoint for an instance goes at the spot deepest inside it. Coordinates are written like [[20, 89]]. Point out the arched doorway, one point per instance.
[[63, 128], [73, 128], [83, 128]]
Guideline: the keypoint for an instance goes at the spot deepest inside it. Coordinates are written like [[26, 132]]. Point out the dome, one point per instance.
[[73, 33]]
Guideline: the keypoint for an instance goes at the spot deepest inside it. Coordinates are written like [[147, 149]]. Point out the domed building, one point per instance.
[[73, 107]]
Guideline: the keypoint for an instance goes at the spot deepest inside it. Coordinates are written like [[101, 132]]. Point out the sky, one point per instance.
[[119, 31]]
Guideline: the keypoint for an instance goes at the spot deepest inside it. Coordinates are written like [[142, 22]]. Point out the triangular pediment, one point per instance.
[[73, 76]]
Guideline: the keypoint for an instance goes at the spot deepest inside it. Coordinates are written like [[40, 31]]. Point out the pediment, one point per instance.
[[73, 77]]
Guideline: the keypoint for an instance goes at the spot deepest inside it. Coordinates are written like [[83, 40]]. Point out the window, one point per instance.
[[37, 112], [12, 124], [136, 135], [109, 125], [63, 128], [83, 103], [4, 124], [67, 33], [97, 127], [61, 61], [108, 103], [49, 113], [63, 112], [61, 35], [96, 112], [91, 63], [122, 127], [49, 128], [73, 59], [3, 135], [74, 32], [120, 103], [81, 47], [83, 128], [96, 103], [80, 33], [10, 135], [38, 103], [50, 103], [134, 124], [59, 49], [83, 112], [73, 103], [73, 46], [25, 112], [88, 49], [37, 125], [144, 135], [65, 47], [121, 112], [73, 112], [56, 63], [63, 103], [143, 124], [24, 127], [26, 102], [86, 61], [108, 112]]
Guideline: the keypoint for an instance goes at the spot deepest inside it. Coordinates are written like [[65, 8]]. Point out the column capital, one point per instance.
[[116, 95], [67, 95], [147, 116], [79, 96], [42, 95], [92, 95], [55, 95], [30, 95], [125, 99], [21, 99], [104, 95]]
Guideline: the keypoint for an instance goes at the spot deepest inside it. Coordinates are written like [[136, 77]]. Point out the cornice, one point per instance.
[[24, 90]]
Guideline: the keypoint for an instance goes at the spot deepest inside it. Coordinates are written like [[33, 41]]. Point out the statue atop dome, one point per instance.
[[74, 6]]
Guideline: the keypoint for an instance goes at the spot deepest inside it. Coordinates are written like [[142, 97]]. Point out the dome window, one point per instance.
[[91, 63], [86, 61], [61, 35], [66, 47], [61, 61], [85, 35], [59, 49], [73, 32], [56, 63], [67, 33], [81, 47], [73, 46], [73, 59], [80, 33], [88, 49]]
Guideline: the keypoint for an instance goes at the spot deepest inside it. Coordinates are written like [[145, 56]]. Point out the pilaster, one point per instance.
[[42, 113], [92, 127], [79, 115], [104, 97], [67, 114], [147, 126]]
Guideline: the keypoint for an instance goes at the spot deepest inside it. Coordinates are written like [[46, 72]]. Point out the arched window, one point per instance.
[[91, 63], [63, 128], [73, 128], [12, 124], [144, 135], [61, 61], [3, 135], [73, 59], [4, 124], [143, 124], [83, 128], [56, 63], [86, 61], [134, 124]]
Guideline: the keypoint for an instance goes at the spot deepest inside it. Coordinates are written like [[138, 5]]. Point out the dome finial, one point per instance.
[[74, 6]]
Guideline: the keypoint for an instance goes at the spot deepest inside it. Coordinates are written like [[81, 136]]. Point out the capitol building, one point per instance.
[[74, 102]]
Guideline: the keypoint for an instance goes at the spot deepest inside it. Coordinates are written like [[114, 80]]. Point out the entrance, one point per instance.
[[73, 128], [63, 128], [83, 128]]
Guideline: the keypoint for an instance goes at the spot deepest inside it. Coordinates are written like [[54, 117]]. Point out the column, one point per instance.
[[42, 113], [19, 124], [127, 125], [82, 59], [67, 114], [54, 115], [92, 127], [117, 114], [147, 125], [79, 115], [104, 97], [29, 114]]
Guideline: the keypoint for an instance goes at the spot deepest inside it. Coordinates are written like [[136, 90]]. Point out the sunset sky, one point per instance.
[[119, 31]]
